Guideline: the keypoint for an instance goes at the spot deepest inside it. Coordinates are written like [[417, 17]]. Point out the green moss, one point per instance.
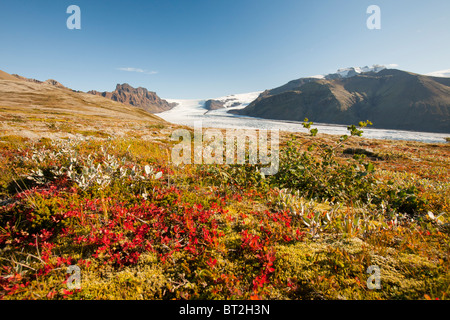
[[14, 140], [92, 133], [146, 281]]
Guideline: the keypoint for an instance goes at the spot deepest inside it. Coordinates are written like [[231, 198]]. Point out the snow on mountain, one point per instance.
[[353, 71], [239, 100], [319, 76], [441, 74]]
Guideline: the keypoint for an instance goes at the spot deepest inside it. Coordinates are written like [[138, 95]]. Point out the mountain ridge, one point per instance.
[[31, 96], [138, 97], [390, 98]]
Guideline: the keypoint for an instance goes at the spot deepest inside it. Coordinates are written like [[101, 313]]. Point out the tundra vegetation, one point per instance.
[[139, 227]]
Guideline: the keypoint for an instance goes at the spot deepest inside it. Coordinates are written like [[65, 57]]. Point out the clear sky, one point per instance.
[[210, 48]]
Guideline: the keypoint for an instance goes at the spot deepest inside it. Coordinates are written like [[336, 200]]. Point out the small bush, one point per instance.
[[320, 174], [241, 176]]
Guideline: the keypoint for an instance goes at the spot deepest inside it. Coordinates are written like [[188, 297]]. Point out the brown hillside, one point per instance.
[[391, 99], [32, 107], [6, 76]]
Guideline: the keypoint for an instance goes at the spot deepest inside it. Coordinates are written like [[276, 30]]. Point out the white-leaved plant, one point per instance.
[[85, 171]]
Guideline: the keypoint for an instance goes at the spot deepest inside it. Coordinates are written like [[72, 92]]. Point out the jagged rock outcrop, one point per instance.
[[138, 97], [214, 105], [54, 83], [49, 81]]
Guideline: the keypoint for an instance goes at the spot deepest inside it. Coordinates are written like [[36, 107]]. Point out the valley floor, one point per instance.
[[104, 196]]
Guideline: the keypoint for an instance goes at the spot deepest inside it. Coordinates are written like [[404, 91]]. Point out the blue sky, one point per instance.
[[206, 49]]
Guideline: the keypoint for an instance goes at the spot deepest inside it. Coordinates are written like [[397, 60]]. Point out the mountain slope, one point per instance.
[[138, 97], [391, 99], [6, 76], [50, 98]]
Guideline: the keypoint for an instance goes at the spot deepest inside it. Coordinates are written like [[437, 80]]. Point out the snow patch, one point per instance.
[[440, 74], [243, 99], [351, 71], [319, 76]]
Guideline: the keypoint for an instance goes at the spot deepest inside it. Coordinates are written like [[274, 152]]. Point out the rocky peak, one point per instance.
[[214, 105], [49, 81], [54, 83], [138, 97]]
